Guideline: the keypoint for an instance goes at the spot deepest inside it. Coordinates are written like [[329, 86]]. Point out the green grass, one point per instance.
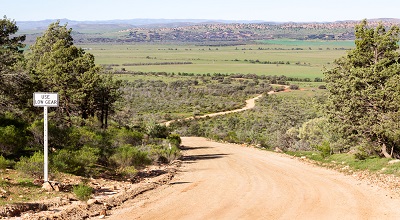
[[311, 43], [373, 164], [230, 59]]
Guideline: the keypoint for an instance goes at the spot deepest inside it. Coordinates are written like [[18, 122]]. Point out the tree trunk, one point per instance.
[[106, 118], [384, 151]]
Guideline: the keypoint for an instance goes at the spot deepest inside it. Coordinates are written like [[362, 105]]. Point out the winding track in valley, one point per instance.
[[228, 181]]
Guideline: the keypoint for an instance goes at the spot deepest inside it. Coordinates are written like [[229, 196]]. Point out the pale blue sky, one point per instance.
[[277, 10]]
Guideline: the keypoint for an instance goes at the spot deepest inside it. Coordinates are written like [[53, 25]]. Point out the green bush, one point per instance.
[[128, 155], [279, 89], [155, 130], [125, 136], [174, 139], [79, 162], [129, 171], [4, 163], [80, 136], [82, 191], [325, 149], [164, 154], [31, 166], [12, 139], [58, 137]]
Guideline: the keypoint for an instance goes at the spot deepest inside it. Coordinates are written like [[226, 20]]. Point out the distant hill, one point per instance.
[[197, 30], [37, 25]]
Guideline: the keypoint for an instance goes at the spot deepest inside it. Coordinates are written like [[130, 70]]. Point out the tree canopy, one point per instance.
[[56, 65], [10, 45], [10, 53], [364, 91]]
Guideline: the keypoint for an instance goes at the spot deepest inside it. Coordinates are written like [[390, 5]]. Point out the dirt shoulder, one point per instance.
[[108, 194]]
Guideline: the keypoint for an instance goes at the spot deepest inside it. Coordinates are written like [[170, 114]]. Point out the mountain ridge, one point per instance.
[[149, 23]]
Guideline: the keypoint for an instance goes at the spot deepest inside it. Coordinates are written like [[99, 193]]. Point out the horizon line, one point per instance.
[[202, 19]]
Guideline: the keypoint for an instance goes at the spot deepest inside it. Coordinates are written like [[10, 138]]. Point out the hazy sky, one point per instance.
[[267, 10]]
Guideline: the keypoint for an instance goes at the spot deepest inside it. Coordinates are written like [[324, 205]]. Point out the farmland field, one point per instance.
[[292, 58]]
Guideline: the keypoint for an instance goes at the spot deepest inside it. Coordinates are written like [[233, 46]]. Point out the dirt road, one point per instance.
[[226, 181], [250, 103]]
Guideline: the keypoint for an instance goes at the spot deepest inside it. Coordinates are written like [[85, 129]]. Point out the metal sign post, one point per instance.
[[42, 99]]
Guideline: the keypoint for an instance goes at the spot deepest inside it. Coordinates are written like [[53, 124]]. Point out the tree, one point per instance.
[[364, 93], [10, 45], [106, 95], [56, 65], [10, 53]]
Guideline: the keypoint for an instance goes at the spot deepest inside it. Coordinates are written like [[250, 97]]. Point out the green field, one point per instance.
[[311, 43], [306, 59]]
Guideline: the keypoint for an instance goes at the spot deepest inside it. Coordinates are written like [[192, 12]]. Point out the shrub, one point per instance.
[[314, 131], [31, 166], [79, 162], [80, 136], [321, 87], [58, 137], [12, 140], [82, 191], [325, 149], [128, 155], [279, 89], [294, 87], [174, 139], [4, 163], [125, 136], [129, 171], [157, 131], [164, 154]]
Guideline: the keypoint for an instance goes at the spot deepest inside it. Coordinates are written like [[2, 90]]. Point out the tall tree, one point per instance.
[[107, 94], [10, 53], [56, 65], [10, 45], [364, 91]]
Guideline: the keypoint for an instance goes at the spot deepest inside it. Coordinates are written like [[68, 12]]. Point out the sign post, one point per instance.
[[42, 99]]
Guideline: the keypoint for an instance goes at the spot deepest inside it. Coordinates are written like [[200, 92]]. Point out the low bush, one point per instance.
[[157, 131], [4, 163], [12, 140], [128, 155], [174, 139], [79, 162], [164, 154], [82, 191], [325, 149], [279, 89], [125, 136], [129, 171], [32, 166]]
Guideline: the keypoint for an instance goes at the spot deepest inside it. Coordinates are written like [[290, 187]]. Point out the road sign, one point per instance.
[[45, 99], [41, 99]]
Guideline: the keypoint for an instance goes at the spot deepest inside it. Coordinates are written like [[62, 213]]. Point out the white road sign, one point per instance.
[[41, 99], [45, 100]]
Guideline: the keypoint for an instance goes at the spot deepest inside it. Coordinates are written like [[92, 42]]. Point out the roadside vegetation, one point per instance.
[[110, 119], [83, 138]]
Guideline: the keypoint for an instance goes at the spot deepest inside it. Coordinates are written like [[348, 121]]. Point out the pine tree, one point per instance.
[[364, 91]]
